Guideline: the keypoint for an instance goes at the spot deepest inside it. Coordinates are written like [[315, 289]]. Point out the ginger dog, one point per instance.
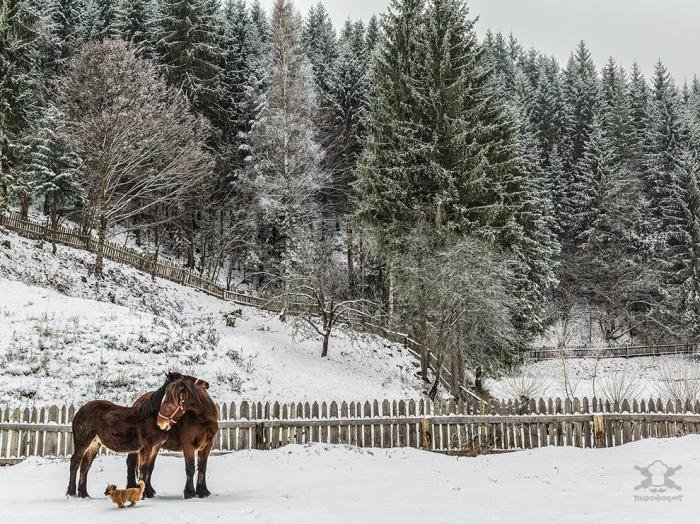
[[122, 496]]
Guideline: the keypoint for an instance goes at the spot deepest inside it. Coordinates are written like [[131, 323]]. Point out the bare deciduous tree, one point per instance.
[[141, 146], [319, 278], [459, 296]]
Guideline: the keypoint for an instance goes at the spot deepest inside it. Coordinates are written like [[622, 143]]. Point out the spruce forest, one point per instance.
[[468, 191]]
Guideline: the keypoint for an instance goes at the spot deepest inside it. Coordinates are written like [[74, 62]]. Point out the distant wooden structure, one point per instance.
[[686, 348]]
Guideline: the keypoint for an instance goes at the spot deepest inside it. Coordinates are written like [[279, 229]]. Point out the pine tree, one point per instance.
[[615, 111], [67, 20], [100, 21], [241, 72], [285, 155], [683, 250], [665, 141], [135, 23], [580, 95], [262, 25], [640, 119], [372, 36], [188, 51], [536, 246], [320, 43], [346, 103], [470, 155], [592, 188], [604, 263], [23, 37], [53, 166], [548, 109], [394, 161]]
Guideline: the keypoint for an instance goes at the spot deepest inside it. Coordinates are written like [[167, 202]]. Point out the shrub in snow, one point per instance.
[[620, 386], [524, 387], [678, 381]]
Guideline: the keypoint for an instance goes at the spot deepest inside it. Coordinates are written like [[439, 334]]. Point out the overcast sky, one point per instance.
[[642, 30]]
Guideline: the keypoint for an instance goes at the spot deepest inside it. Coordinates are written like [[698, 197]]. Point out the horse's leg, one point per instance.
[[75, 460], [202, 458], [132, 462], [90, 454], [148, 491], [188, 451]]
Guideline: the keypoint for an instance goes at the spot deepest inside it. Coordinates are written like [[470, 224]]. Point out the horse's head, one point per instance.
[[177, 398]]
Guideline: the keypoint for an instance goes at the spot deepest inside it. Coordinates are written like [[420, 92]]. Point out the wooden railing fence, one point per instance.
[[453, 427], [686, 348]]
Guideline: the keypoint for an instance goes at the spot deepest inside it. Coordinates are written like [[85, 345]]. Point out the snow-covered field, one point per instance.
[[319, 483], [66, 337]]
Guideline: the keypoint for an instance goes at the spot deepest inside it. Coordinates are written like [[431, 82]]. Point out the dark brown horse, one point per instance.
[[141, 430], [194, 433]]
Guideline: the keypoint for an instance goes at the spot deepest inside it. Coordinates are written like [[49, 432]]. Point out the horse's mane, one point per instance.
[[201, 399], [152, 404]]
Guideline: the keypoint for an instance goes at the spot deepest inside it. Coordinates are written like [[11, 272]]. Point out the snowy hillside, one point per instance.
[[320, 483], [65, 337]]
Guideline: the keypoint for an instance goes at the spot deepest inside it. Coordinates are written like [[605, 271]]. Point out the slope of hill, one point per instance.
[[67, 337]]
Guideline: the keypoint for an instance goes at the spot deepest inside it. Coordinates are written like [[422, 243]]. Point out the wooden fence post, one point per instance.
[[599, 430], [426, 434], [259, 435]]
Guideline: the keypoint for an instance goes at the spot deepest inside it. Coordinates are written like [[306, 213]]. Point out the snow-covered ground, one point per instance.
[[320, 483], [664, 377], [66, 337]]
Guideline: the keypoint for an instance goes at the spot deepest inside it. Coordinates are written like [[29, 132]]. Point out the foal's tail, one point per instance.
[[142, 486]]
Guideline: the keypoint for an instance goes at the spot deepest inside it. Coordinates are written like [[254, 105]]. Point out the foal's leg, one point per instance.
[[75, 460], [188, 451], [145, 456], [90, 454], [202, 458]]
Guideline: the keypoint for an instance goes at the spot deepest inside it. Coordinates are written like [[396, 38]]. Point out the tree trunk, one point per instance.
[[287, 262], [479, 379], [53, 213], [351, 263], [189, 235], [390, 299], [3, 188], [326, 341], [363, 265], [101, 235], [24, 206], [423, 338]]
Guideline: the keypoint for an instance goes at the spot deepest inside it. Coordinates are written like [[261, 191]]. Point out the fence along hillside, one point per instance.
[[73, 237], [452, 427]]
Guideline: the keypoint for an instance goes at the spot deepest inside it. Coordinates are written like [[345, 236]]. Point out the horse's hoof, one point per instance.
[[149, 493], [203, 493], [84, 495], [189, 494]]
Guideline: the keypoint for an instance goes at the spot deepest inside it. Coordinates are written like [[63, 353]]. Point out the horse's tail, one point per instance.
[[142, 487]]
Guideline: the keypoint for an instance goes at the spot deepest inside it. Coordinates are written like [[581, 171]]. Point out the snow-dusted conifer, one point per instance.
[[136, 23], [285, 155]]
